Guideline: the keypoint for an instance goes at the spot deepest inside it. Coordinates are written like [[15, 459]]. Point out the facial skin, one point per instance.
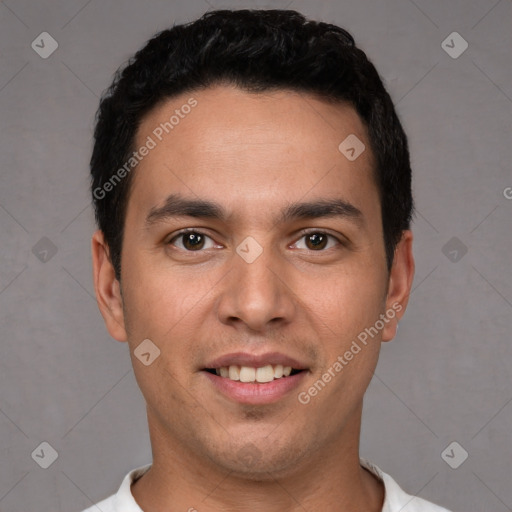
[[253, 154]]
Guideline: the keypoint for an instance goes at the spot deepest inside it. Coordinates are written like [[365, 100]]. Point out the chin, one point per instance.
[[260, 461]]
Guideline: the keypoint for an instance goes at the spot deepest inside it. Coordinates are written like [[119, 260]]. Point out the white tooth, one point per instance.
[[278, 371], [217, 371], [234, 372], [265, 373], [224, 371], [287, 370], [247, 374]]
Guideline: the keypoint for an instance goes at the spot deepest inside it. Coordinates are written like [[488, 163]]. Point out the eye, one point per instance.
[[194, 241], [317, 241], [191, 241]]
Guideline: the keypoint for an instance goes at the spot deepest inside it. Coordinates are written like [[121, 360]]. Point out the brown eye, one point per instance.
[[316, 241], [192, 241]]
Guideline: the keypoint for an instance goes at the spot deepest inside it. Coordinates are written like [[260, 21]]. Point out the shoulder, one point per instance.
[[123, 500], [396, 499]]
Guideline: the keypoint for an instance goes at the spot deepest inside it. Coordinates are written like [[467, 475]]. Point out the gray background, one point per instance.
[[446, 377]]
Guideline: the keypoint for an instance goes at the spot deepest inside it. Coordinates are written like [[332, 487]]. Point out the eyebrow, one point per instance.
[[178, 206]]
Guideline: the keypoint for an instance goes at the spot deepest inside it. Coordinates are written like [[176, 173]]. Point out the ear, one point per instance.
[[399, 286], [108, 290]]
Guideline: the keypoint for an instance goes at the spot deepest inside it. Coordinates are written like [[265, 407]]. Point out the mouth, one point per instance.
[[249, 374], [255, 379]]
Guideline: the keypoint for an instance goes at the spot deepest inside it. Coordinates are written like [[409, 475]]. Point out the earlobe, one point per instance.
[[108, 291], [399, 286]]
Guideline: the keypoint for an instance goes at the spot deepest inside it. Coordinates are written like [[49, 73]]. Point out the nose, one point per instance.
[[256, 295]]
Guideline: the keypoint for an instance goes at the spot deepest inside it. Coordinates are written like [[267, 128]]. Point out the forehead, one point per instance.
[[243, 148]]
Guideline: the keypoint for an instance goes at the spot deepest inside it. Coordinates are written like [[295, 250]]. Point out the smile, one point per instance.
[[263, 374]]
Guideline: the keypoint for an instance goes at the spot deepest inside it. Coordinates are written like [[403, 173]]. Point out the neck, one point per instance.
[[329, 478]]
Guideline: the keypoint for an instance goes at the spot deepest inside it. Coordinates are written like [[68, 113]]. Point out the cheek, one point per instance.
[[344, 314], [159, 296], [168, 307], [163, 309], [348, 300]]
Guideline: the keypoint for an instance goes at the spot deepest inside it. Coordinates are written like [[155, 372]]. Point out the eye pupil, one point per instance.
[[193, 240], [318, 240]]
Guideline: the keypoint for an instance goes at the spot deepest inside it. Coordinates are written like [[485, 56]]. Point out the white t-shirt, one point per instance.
[[395, 499]]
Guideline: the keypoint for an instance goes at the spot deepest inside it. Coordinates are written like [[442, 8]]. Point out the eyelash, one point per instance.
[[302, 235]]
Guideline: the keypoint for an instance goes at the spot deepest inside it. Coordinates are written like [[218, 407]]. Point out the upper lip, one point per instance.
[[255, 361]]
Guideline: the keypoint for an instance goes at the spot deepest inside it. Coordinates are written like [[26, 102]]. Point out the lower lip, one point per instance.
[[256, 393]]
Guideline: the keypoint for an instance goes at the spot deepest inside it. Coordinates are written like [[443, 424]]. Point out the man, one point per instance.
[[252, 188]]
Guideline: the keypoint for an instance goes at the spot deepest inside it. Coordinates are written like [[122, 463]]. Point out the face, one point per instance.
[[269, 254]]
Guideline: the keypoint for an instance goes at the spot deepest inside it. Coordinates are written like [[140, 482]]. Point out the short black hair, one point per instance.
[[256, 51]]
